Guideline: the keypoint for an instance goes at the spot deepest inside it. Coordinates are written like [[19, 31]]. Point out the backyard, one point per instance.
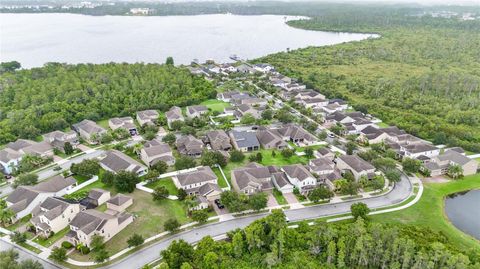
[[166, 182], [215, 105]]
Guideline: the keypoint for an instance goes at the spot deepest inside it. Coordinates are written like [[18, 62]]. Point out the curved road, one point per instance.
[[400, 192]]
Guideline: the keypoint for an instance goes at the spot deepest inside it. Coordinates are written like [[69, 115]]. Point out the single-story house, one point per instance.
[[116, 161], [119, 202], [358, 166], [189, 145], [244, 141], [192, 181], [251, 179]]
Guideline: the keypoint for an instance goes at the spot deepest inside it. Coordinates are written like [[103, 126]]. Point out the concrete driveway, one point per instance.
[[271, 200], [291, 198]]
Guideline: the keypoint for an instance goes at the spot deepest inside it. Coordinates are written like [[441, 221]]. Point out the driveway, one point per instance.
[[271, 200], [83, 148], [290, 197]]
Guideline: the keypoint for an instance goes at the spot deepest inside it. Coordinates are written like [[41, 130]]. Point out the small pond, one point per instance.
[[463, 210]]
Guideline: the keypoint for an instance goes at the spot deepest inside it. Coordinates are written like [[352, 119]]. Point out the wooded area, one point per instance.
[[55, 96], [268, 243], [422, 75]]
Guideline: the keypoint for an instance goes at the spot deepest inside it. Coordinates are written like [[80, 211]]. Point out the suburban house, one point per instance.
[[271, 139], [154, 151], [252, 101], [116, 161], [119, 203], [374, 135], [201, 203], [236, 98], [218, 140], [245, 69], [89, 131], [226, 96], [294, 87], [415, 150], [13, 153], [251, 179], [321, 166], [356, 165], [210, 191], [296, 134], [325, 153], [263, 68], [227, 68], [92, 222], [174, 114], [244, 141], [24, 199], [244, 109], [53, 215], [189, 145], [147, 117], [281, 182], [439, 165], [196, 111], [58, 139], [300, 177], [97, 197], [192, 181], [124, 123]]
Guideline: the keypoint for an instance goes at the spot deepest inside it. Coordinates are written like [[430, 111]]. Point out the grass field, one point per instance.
[[429, 212], [215, 105], [221, 181], [268, 159], [167, 182], [279, 197]]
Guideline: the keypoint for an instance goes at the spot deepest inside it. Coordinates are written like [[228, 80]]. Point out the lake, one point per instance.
[[463, 210], [34, 39]]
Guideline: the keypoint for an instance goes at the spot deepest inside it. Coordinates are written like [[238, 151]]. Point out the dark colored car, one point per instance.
[[219, 205]]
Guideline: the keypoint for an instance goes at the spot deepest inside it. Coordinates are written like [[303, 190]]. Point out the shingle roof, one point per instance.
[[297, 171], [245, 139], [356, 163], [189, 145], [95, 193], [252, 174], [117, 161], [89, 127], [454, 157], [202, 174], [119, 199]]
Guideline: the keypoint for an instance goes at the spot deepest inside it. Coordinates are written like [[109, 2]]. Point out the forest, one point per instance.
[[53, 97], [268, 243], [422, 74]]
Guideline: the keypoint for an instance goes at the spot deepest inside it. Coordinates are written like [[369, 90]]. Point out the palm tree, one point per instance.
[[6, 216], [455, 171]]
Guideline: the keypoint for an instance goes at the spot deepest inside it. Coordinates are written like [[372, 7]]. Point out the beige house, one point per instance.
[[92, 222], [147, 117], [98, 197], [58, 139], [116, 161], [53, 215], [356, 165], [154, 151], [24, 199], [119, 202], [174, 114], [439, 165], [89, 131], [251, 179], [126, 123], [192, 181], [196, 111]]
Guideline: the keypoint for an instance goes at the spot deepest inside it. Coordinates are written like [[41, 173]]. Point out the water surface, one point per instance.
[[34, 39], [463, 210]]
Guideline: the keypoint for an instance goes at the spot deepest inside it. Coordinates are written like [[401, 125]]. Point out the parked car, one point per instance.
[[219, 205]]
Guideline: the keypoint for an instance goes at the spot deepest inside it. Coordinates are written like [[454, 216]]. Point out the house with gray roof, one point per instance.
[[296, 134], [356, 165], [24, 199], [147, 117], [96, 197], [126, 123], [271, 139], [190, 146], [414, 150], [245, 109], [53, 215], [244, 141], [251, 179], [226, 96], [174, 114], [9, 159], [119, 203], [92, 222], [89, 131], [218, 140], [58, 139], [193, 180], [300, 177], [116, 161], [325, 153], [155, 151], [440, 164], [196, 111]]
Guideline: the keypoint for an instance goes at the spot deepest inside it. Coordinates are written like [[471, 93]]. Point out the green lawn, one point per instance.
[[167, 182], [429, 212], [80, 179], [52, 239], [268, 159], [215, 105], [104, 124], [221, 181], [383, 125], [279, 197]]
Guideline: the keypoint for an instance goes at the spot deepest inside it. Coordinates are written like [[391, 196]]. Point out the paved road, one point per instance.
[[49, 172], [23, 255], [400, 192]]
